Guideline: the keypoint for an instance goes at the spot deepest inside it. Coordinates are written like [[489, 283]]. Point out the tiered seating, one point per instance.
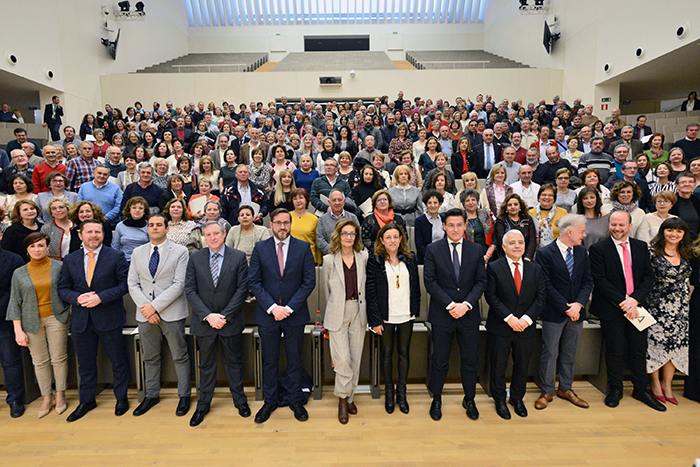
[[35, 132], [671, 124], [335, 61], [459, 59], [210, 63]]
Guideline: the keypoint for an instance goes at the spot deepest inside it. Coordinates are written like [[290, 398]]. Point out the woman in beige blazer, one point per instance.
[[346, 312]]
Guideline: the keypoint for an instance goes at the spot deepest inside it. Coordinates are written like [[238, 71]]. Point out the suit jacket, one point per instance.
[[9, 262], [48, 114], [444, 288], [647, 131], [226, 298], [562, 289], [479, 166], [165, 291], [236, 145], [637, 146], [457, 162], [244, 156], [292, 289], [109, 281], [503, 298], [609, 278], [334, 289], [423, 235]]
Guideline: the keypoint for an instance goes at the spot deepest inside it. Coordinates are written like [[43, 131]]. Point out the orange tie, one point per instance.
[[90, 267]]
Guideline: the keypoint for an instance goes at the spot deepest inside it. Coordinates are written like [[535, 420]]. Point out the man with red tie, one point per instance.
[[516, 294]]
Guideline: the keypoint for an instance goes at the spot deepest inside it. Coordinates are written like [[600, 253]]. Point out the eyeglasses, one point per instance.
[[348, 234], [281, 224], [382, 200]]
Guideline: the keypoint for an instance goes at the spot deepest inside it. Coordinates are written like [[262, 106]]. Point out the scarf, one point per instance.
[[140, 223], [383, 220], [485, 219], [546, 231], [617, 206]]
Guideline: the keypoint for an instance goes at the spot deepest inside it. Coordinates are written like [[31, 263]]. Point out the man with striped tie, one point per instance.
[[567, 275]]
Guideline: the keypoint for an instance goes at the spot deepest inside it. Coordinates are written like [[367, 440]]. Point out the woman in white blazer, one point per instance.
[[346, 311]]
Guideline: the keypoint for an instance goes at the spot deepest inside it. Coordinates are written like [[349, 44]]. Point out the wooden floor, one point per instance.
[[404, 65], [267, 66], [561, 435]]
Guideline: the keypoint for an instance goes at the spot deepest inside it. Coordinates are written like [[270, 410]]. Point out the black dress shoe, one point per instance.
[[121, 407], [518, 407], [300, 412], [646, 397], [472, 411], [16, 409], [244, 410], [502, 410], [81, 410], [264, 413], [146, 405], [183, 406], [436, 410], [613, 398], [198, 417]]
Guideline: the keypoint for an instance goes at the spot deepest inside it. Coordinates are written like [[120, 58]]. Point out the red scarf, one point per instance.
[[383, 220]]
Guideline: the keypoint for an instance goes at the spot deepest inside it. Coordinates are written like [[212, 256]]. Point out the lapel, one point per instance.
[[164, 251], [511, 280], [561, 263], [612, 251], [226, 264], [447, 253], [273, 255], [338, 266]]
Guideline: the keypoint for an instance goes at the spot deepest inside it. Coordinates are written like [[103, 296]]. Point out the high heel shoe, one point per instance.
[[672, 400], [44, 412], [659, 398]]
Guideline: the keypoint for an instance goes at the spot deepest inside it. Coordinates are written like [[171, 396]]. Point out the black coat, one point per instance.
[[377, 289]]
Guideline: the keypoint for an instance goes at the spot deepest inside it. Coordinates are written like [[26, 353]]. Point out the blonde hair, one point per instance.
[[279, 189]]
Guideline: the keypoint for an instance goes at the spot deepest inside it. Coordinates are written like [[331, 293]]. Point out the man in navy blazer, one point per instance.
[[510, 324], [94, 280], [567, 277], [52, 117], [282, 276], [454, 308], [615, 302]]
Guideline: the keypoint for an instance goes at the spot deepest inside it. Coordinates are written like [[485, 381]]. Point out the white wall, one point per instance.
[[65, 37], [410, 37]]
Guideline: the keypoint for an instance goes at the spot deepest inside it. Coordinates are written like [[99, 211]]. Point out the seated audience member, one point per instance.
[[130, 174], [690, 144], [243, 192], [246, 234], [50, 164], [514, 215], [656, 153], [406, 198], [132, 232], [512, 167], [589, 204], [677, 159], [81, 169], [175, 189], [113, 162], [597, 159], [369, 181], [441, 186], [525, 187], [22, 190], [305, 175], [546, 173], [24, 217], [649, 226], [104, 193], [623, 197], [687, 206], [407, 159], [634, 146], [382, 214], [494, 193], [323, 185], [160, 177], [547, 215], [212, 213], [428, 226], [281, 196], [79, 213], [304, 224], [566, 198], [591, 178], [426, 161], [205, 186], [440, 168], [59, 228], [327, 221], [21, 166], [479, 227], [56, 182], [179, 224], [144, 188]]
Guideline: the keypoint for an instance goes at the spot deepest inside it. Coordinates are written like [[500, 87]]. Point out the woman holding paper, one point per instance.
[[668, 303]]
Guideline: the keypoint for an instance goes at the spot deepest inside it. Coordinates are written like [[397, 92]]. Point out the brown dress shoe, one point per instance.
[[543, 401], [343, 410], [571, 396], [352, 408]]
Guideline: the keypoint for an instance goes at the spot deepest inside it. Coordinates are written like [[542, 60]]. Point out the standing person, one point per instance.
[[454, 308], [10, 354], [428, 227], [157, 287], [669, 301], [216, 286], [94, 281], [567, 278], [52, 117], [516, 293], [59, 228], [623, 277], [40, 320], [282, 276], [346, 311], [24, 218], [304, 224], [393, 303]]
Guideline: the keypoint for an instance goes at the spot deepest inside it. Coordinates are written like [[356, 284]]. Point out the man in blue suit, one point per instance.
[[94, 280], [282, 276], [567, 277], [10, 353]]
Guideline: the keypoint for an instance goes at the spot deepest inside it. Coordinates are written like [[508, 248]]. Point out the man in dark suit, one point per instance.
[[239, 139], [515, 292], [216, 286], [623, 277], [454, 308], [634, 145], [52, 117], [487, 154], [184, 134], [94, 280], [567, 277], [282, 276], [641, 129], [547, 172]]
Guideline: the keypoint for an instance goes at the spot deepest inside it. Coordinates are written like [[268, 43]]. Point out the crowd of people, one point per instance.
[[170, 205]]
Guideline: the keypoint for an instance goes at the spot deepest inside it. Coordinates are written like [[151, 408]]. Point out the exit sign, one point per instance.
[[606, 99]]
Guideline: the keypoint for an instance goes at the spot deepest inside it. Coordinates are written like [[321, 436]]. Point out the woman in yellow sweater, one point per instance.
[[304, 223]]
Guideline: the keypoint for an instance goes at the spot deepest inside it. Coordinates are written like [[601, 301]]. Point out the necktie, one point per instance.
[[280, 257], [570, 261], [153, 263], [455, 259], [91, 267], [517, 278], [627, 263], [488, 157], [214, 267]]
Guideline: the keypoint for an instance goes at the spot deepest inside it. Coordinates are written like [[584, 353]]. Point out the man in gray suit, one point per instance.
[[216, 285], [157, 286]]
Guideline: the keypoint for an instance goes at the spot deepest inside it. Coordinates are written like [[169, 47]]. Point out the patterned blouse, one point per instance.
[[179, 232]]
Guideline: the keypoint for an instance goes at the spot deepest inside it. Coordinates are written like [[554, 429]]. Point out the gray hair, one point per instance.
[[628, 126], [568, 222], [144, 165], [510, 233], [468, 192], [216, 203], [208, 223]]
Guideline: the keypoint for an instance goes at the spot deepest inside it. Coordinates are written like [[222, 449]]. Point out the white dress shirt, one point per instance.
[[511, 265]]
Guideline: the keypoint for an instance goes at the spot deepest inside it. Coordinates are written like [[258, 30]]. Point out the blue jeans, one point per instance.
[[11, 359]]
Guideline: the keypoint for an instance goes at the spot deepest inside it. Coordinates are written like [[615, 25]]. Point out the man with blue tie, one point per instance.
[[488, 154], [157, 287], [567, 277], [282, 276], [94, 280]]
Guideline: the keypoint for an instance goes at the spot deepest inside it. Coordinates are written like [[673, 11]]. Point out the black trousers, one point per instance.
[[617, 332], [208, 363], [468, 341], [499, 349], [401, 334], [270, 339]]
